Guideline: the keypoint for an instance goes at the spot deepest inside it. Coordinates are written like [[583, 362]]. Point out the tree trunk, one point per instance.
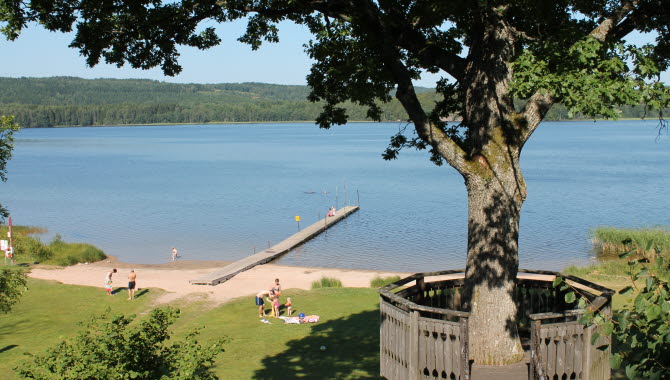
[[494, 206]]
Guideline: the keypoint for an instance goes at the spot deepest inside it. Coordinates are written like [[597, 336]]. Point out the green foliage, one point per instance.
[[641, 329], [66, 101], [379, 282], [111, 348], [7, 129], [613, 240], [327, 282], [12, 285], [29, 249]]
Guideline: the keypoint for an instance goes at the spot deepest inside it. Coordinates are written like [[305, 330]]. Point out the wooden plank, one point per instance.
[[226, 273], [551, 352], [570, 350], [439, 347], [560, 350]]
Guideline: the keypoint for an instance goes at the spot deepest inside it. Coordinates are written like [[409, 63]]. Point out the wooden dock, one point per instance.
[[307, 233]]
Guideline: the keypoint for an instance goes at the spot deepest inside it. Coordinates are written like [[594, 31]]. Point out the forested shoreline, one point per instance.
[[70, 101]]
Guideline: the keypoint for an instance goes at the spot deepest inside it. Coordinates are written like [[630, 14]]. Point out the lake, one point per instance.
[[219, 192]]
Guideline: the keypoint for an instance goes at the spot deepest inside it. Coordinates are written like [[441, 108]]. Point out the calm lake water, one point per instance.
[[217, 192]]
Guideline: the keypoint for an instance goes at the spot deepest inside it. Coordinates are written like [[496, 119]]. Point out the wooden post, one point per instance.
[[421, 286], [336, 205], [358, 199], [345, 193], [586, 353], [413, 353], [465, 348]]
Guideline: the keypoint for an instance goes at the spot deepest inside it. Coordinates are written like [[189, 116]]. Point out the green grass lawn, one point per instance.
[[348, 329]]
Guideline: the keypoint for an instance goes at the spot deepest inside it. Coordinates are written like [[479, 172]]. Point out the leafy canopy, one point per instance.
[[7, 129], [574, 50]]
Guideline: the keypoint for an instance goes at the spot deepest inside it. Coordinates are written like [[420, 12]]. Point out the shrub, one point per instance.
[[12, 285], [379, 282], [327, 282], [110, 349], [641, 329]]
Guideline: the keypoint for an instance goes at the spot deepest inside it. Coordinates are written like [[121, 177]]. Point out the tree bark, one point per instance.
[[496, 191]]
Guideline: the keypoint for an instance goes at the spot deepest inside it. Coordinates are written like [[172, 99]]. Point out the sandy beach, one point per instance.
[[174, 278]]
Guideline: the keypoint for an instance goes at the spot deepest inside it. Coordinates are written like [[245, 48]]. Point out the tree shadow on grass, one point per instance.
[[351, 351]]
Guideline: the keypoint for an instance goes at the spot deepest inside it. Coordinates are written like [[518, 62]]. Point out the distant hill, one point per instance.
[[70, 101]]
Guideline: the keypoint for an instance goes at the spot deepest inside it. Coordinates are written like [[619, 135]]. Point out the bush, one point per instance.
[[109, 349], [31, 249], [12, 285], [327, 282], [641, 329], [379, 282]]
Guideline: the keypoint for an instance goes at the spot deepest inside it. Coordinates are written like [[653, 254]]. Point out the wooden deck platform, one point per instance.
[[227, 272]]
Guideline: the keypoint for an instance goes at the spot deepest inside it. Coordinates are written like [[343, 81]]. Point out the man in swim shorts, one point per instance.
[[131, 284], [260, 302]]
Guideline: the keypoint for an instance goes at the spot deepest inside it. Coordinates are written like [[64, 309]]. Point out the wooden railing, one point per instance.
[[424, 333], [419, 341]]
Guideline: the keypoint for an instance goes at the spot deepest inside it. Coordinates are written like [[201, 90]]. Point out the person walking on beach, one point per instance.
[[174, 253], [108, 281], [260, 303], [131, 284]]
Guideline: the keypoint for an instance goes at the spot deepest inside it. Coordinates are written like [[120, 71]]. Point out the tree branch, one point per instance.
[[540, 102]]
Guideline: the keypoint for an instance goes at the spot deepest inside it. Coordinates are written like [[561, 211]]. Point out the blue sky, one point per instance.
[[39, 53]]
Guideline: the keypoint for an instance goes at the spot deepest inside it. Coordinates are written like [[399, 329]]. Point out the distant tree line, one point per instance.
[[69, 101]]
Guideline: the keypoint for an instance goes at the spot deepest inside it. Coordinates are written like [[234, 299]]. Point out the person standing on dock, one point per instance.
[[331, 212], [174, 253]]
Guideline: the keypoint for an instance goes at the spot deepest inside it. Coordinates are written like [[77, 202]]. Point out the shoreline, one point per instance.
[[173, 277]]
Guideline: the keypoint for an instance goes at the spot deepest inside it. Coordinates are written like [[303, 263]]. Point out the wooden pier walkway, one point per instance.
[[227, 272]]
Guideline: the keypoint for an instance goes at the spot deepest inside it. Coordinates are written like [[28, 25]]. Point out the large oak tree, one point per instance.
[[490, 52]]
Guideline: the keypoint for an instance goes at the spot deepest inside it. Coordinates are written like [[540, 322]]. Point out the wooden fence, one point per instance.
[[563, 349], [424, 335], [414, 347]]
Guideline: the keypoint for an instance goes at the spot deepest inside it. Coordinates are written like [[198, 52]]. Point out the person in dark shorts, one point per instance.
[[131, 284], [260, 302]]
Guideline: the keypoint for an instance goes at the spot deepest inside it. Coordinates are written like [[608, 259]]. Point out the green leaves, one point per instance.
[[12, 285], [109, 348]]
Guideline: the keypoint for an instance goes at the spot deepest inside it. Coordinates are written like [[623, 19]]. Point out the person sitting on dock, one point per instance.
[[331, 212]]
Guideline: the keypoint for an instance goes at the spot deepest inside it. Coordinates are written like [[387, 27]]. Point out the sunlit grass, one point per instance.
[[610, 240], [379, 282], [327, 282]]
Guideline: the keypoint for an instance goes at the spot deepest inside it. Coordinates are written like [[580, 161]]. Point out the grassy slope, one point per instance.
[[348, 328], [49, 311]]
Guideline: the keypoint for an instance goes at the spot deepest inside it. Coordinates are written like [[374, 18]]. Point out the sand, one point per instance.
[[174, 278]]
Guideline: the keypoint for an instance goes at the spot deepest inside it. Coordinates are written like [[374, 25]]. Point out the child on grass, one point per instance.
[[288, 306]]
